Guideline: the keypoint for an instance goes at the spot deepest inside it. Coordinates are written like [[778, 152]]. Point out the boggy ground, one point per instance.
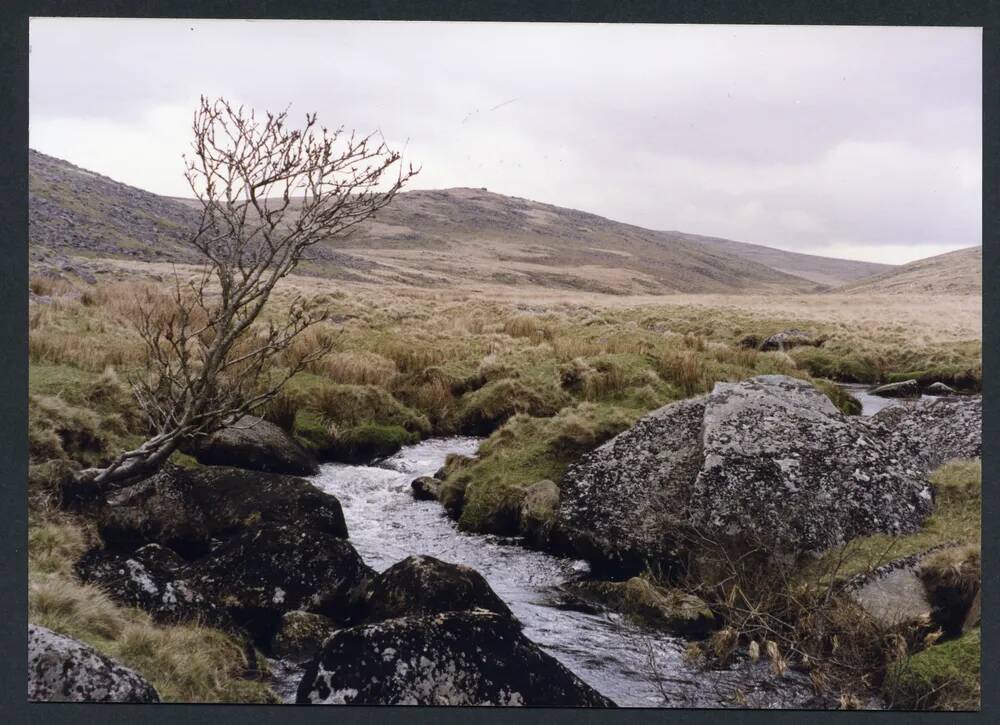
[[546, 375]]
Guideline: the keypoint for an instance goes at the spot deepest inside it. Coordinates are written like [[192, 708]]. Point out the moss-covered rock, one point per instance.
[[639, 598], [538, 512], [301, 634]]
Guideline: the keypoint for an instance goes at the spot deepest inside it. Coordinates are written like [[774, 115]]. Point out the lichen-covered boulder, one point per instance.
[[787, 339], [538, 512], [255, 444], [153, 579], [621, 504], [458, 658], [275, 568], [939, 388], [782, 467], [300, 635], [62, 669], [425, 488], [904, 389], [926, 434], [186, 509], [424, 585]]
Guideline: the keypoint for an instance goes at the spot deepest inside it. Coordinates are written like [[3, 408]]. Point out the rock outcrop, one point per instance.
[[458, 658], [186, 509], [939, 388], [300, 635], [276, 568], [903, 389], [62, 669], [787, 339], [420, 585], [426, 488], [258, 445], [768, 461]]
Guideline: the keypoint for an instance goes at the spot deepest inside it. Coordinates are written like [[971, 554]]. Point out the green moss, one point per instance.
[[371, 440], [945, 676], [845, 402], [483, 410]]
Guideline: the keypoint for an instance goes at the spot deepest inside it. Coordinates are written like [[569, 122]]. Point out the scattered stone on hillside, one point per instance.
[[926, 434], [622, 503], [784, 468], [671, 609], [62, 669], [939, 388], [152, 579], [186, 509], [276, 568], [258, 445], [904, 389], [426, 488], [538, 512], [420, 585], [301, 634], [787, 339], [458, 658], [768, 461]]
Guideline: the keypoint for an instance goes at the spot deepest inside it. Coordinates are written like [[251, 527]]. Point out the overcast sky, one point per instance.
[[854, 142]]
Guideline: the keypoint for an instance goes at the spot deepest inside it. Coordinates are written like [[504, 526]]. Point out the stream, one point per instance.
[[871, 404], [634, 666]]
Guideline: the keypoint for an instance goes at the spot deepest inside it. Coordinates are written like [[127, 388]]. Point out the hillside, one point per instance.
[[431, 238], [957, 273]]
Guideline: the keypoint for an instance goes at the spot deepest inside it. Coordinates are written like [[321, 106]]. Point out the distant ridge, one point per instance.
[[429, 238], [958, 273]]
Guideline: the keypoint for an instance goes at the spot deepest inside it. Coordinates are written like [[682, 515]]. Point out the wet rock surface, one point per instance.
[[62, 669], [301, 634], [904, 389], [187, 509], [257, 445], [420, 585], [669, 609], [426, 488], [458, 658], [768, 460]]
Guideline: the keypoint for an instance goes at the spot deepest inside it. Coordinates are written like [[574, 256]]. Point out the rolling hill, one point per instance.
[[430, 238], [957, 273]]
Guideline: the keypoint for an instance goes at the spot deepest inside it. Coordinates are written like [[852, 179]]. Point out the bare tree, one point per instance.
[[268, 193]]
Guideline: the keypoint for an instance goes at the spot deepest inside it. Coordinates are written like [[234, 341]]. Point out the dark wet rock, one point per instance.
[[939, 388], [420, 585], [62, 669], [301, 634], [904, 389], [274, 568], [784, 468], [538, 512], [426, 488], [952, 578], [787, 339], [186, 509], [153, 579], [926, 434], [458, 658], [257, 445], [768, 461], [622, 503], [670, 609]]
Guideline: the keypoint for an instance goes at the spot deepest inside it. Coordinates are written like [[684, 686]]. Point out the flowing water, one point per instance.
[[871, 404], [631, 665]]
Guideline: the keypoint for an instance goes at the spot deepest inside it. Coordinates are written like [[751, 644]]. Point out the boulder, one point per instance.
[[931, 432], [782, 467], [153, 579], [300, 635], [420, 585], [904, 389], [457, 658], [276, 568], [893, 594], [939, 388], [670, 609], [538, 512], [622, 503], [787, 339], [767, 461], [186, 509], [426, 488], [255, 444], [62, 669]]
